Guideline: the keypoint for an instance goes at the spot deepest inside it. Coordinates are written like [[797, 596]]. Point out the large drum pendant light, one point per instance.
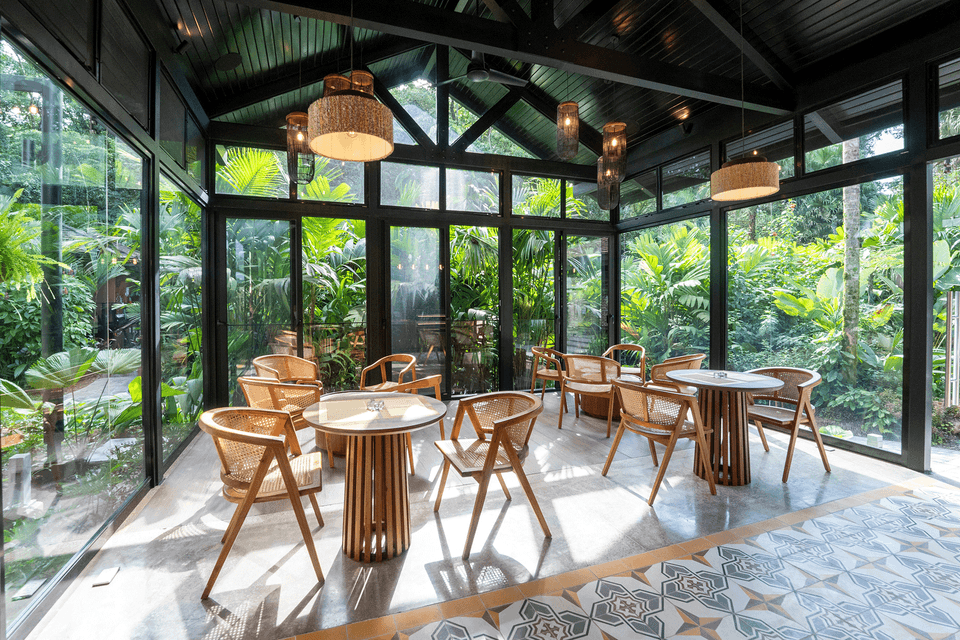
[[615, 147], [350, 124], [568, 130], [301, 162], [747, 177]]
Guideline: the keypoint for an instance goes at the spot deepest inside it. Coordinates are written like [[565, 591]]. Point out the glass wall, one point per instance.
[[581, 201], [534, 298], [70, 386], [180, 314], [335, 299], [259, 315], [475, 308], [477, 191], [638, 195], [409, 185], [686, 180], [418, 322], [817, 282], [665, 289], [534, 196], [334, 181], [948, 98], [587, 279]]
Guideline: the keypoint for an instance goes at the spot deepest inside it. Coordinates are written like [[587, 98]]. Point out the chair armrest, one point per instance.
[[411, 369], [381, 363]]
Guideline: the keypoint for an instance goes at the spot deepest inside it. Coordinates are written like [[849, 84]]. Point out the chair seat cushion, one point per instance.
[[306, 472], [550, 374], [383, 386], [590, 388], [769, 414], [633, 371], [469, 456], [672, 386]]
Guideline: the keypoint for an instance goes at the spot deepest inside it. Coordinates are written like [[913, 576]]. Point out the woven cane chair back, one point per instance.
[[489, 409], [590, 369], [285, 367], [240, 456], [658, 372], [654, 411], [794, 382]]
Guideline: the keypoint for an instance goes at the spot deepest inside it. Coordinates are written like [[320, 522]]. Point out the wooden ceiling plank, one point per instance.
[[537, 46], [485, 121], [587, 18]]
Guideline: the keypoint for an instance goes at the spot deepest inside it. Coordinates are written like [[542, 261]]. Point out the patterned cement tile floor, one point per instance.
[[882, 565]]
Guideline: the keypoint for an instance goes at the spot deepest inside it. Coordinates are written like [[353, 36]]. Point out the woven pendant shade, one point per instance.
[[331, 84], [745, 179], [301, 162], [568, 130], [350, 124], [606, 172], [608, 195], [615, 147]]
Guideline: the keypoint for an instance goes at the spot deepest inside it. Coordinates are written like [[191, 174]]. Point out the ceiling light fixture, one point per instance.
[[749, 176], [608, 185], [301, 163], [615, 147], [349, 123], [568, 127]]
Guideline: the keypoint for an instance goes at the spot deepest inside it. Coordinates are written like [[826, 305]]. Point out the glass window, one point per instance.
[[582, 201], [474, 305], [196, 150], [686, 180], [257, 173], [949, 98], [418, 321], [180, 307], [791, 274], [867, 125], [409, 185], [534, 299], [533, 196], [335, 298], [587, 281], [334, 181], [419, 100], [70, 396], [665, 289], [638, 195], [473, 191], [775, 143], [946, 304], [461, 119]]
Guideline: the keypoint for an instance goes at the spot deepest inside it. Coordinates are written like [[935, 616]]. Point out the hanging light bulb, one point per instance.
[[568, 130], [746, 177], [615, 147], [301, 163]]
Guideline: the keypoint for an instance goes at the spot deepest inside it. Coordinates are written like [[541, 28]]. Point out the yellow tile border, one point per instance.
[[695, 545], [540, 587], [575, 578], [336, 633], [417, 617], [501, 596], [461, 607], [369, 629]]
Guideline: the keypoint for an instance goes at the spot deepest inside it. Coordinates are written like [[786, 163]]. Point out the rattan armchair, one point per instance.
[[588, 376], [503, 422], [663, 416], [658, 372], [640, 370], [787, 408], [386, 382], [287, 368], [547, 365], [253, 446]]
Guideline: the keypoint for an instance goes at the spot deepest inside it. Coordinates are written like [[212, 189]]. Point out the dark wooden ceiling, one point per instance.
[[649, 63]]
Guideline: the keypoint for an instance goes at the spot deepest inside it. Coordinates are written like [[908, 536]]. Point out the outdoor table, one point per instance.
[[376, 505], [723, 407]]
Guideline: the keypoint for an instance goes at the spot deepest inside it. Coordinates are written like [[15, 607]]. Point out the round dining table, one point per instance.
[[376, 504], [723, 400]]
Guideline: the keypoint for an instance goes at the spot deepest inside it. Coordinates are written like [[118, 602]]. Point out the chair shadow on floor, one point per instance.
[[486, 570]]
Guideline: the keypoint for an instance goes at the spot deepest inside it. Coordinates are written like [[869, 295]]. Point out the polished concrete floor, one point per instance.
[[267, 589]]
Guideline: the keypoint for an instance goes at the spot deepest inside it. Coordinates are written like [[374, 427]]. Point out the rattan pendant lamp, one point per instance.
[[749, 176], [348, 123]]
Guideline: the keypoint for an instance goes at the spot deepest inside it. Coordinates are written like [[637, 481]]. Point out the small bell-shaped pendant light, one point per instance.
[[568, 130], [301, 162], [615, 147]]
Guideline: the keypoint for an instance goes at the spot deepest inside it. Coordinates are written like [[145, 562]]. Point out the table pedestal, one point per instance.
[[728, 446], [597, 407], [376, 514]]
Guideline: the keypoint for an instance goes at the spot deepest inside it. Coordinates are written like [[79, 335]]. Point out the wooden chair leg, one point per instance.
[[701, 441], [819, 440], [298, 511], [613, 448], [563, 403], [527, 489], [763, 438], [663, 468], [413, 471], [477, 509], [503, 485], [230, 526], [316, 508], [793, 445], [609, 415], [533, 384], [653, 451], [576, 405], [443, 482]]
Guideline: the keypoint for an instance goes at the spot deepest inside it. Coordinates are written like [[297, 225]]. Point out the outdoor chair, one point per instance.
[[640, 370], [550, 369], [503, 422], [429, 382], [588, 376], [287, 368], [662, 416], [658, 372], [269, 393], [254, 445], [387, 384], [787, 408]]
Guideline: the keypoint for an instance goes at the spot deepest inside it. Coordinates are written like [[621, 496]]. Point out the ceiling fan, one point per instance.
[[478, 71]]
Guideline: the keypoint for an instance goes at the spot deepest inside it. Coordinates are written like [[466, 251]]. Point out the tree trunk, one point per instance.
[[851, 266]]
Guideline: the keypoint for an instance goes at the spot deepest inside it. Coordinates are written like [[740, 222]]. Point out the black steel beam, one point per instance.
[[291, 79], [536, 45], [575, 27], [828, 130], [754, 49], [485, 121], [547, 107]]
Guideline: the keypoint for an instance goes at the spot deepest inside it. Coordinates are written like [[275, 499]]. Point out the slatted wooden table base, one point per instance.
[[376, 520], [726, 412]]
